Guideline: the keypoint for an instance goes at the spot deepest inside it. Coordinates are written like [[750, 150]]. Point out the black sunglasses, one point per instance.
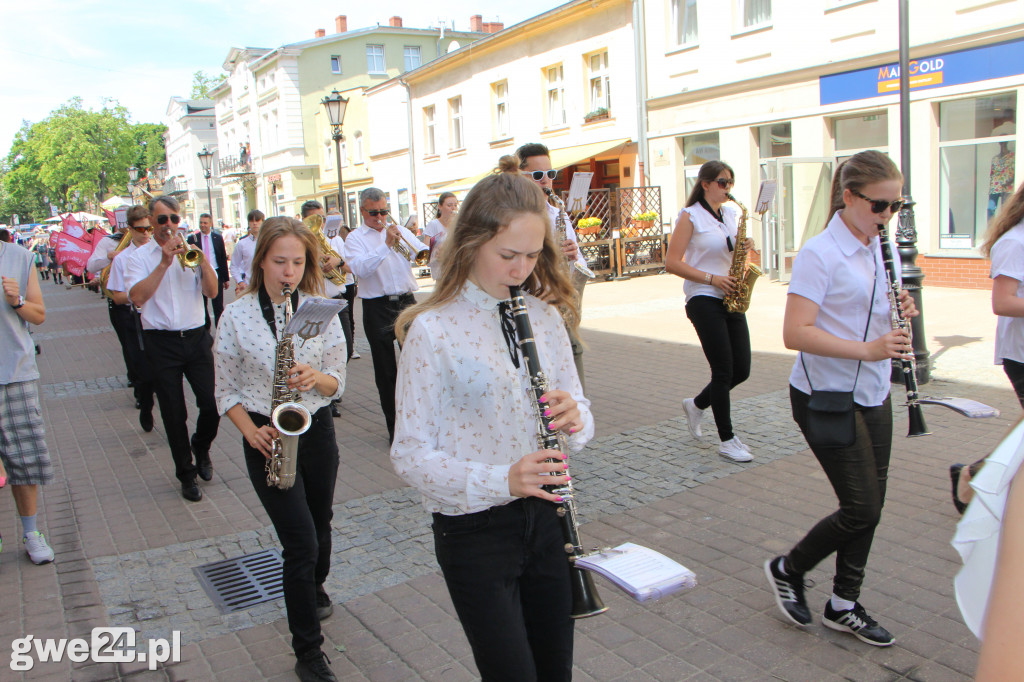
[[376, 212], [879, 205], [142, 228], [539, 175], [725, 183], [162, 219]]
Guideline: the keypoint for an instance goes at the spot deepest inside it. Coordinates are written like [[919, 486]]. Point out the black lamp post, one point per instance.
[[159, 173], [133, 181], [335, 105], [206, 159]]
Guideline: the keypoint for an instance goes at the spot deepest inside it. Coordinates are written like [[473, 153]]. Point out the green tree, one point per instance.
[[202, 84]]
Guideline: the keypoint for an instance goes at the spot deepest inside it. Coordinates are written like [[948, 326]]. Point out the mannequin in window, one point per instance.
[[1000, 178]]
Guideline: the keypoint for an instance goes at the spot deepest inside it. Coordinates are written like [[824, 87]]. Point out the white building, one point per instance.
[[190, 128]]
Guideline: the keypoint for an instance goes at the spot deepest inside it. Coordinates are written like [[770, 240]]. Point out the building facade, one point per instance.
[[191, 127]]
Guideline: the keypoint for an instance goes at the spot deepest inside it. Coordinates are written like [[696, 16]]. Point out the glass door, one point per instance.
[[798, 211]]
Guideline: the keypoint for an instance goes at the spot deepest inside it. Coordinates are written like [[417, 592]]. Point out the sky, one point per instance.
[[142, 54]]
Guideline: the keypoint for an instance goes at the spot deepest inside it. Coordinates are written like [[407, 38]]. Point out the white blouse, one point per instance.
[[244, 352], [708, 249], [465, 414], [1008, 261]]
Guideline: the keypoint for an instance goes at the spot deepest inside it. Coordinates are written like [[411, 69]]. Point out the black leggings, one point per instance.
[[726, 342]]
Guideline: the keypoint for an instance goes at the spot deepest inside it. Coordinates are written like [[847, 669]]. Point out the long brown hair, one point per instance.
[[1009, 216], [312, 281], [707, 173], [861, 169], [489, 208]]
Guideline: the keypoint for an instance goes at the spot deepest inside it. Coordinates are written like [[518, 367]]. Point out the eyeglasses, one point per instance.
[[539, 175], [725, 183], [879, 205], [173, 217], [376, 212], [142, 228]]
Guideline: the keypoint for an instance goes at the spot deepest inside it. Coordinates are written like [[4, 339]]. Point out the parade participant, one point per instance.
[[385, 288], [838, 317], [212, 245], [535, 162], [23, 449], [466, 433], [241, 257], [437, 229], [177, 343], [55, 268], [125, 316], [101, 258], [287, 256], [700, 252]]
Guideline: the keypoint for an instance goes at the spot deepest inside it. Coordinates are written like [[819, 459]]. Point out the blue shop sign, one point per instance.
[[952, 68]]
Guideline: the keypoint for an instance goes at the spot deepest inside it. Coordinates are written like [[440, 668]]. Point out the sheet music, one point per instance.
[[332, 225], [642, 572], [121, 217], [578, 190], [765, 196], [965, 406], [313, 315]]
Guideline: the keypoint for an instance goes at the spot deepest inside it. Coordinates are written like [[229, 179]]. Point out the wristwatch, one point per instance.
[[21, 302]]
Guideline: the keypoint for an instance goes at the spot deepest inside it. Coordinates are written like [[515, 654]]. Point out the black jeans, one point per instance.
[[302, 519], [508, 577], [117, 321], [858, 474], [726, 342], [1015, 372], [171, 356], [138, 369], [379, 315]]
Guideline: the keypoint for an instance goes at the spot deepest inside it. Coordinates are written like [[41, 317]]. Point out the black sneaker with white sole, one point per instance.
[[857, 622], [789, 592]]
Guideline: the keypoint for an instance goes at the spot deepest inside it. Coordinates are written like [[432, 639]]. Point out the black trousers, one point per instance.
[[725, 339], [302, 519], [346, 319], [171, 356], [379, 315], [508, 577], [117, 321], [1015, 373], [218, 306], [858, 474], [138, 369]]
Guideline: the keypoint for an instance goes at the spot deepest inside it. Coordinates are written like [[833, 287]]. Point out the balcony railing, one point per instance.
[[234, 165]]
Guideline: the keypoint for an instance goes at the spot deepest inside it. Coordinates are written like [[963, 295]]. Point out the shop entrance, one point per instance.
[[797, 213]]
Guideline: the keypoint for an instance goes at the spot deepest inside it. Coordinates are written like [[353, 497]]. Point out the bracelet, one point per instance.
[[708, 277]]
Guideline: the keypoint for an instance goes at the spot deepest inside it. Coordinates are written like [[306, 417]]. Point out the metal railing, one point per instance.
[[629, 237], [233, 165]]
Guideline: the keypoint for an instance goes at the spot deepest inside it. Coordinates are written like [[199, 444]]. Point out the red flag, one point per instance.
[[53, 239], [111, 218], [73, 252], [72, 227]]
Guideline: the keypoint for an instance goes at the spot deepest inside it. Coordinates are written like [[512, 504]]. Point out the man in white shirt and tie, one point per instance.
[[386, 284], [212, 245], [241, 257]]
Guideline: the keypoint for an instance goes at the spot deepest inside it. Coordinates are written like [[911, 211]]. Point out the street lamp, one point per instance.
[[159, 172], [133, 181], [206, 159], [335, 105]]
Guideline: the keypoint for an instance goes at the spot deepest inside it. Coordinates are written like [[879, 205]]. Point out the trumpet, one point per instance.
[[416, 253], [191, 257], [315, 223]]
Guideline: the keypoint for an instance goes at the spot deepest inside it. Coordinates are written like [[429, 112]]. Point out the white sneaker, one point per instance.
[[742, 444], [356, 355], [693, 416], [733, 449], [38, 551]]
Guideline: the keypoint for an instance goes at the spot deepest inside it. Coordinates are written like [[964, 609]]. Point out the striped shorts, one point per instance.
[[22, 435]]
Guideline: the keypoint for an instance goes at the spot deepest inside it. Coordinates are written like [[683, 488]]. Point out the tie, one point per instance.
[[508, 330], [207, 248]]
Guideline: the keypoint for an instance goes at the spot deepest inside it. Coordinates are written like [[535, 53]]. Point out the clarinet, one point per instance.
[[908, 366], [585, 600]]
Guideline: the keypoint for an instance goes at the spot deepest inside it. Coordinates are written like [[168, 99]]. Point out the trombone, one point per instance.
[[416, 253]]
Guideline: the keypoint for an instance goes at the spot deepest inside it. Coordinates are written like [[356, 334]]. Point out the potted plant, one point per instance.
[[645, 219], [588, 225], [598, 114]]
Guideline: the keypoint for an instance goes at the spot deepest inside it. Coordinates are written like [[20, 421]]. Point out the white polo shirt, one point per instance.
[[177, 304], [1008, 261]]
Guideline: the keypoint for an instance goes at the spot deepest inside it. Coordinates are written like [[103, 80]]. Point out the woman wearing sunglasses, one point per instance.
[[700, 251], [838, 317]]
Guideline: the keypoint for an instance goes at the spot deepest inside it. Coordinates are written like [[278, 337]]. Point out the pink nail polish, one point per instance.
[[559, 499], [551, 426], [547, 413], [572, 430], [565, 456], [543, 400], [568, 478]]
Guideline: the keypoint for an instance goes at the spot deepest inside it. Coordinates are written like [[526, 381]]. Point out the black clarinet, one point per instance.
[[908, 366], [585, 599]]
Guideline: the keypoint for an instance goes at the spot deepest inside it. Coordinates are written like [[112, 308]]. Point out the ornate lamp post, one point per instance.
[[159, 173], [335, 105], [133, 179], [206, 159]]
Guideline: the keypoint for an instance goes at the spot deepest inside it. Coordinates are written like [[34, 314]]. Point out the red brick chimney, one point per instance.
[[320, 33], [340, 23], [395, 22], [476, 23], [493, 27]]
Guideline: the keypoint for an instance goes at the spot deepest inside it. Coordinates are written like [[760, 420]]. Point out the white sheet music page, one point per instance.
[[576, 202], [640, 571], [331, 226], [765, 196], [313, 315]]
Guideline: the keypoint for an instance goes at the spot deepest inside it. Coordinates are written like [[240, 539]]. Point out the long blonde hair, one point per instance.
[[489, 208], [312, 281], [858, 171], [1009, 216]]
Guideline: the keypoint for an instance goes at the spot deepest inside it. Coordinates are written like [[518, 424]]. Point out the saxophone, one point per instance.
[[743, 272], [287, 413], [585, 599], [579, 273]]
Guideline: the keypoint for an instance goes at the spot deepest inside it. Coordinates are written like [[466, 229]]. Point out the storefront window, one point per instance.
[[977, 157], [775, 140], [868, 131], [697, 150]]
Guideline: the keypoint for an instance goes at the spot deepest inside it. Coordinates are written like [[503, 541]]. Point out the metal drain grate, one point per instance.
[[236, 584]]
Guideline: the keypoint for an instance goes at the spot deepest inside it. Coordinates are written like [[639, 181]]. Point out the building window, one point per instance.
[[375, 59], [697, 150], [555, 96], [866, 131], [775, 140], [429, 147], [977, 147], [359, 146], [412, 57], [335, 63], [344, 154], [599, 81], [455, 116], [329, 155], [684, 21], [403, 205], [501, 122], [754, 12]]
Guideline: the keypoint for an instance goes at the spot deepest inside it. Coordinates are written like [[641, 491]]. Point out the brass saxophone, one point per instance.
[[743, 272], [315, 223], [287, 413], [579, 273]]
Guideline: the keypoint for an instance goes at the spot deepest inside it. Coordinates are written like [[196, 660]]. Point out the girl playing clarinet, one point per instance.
[[466, 430]]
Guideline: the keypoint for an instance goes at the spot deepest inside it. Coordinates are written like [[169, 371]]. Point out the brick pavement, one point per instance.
[[126, 541]]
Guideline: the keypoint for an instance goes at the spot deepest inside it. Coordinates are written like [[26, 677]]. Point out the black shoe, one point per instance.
[[954, 476], [324, 608], [190, 491], [312, 666], [203, 464], [138, 404], [857, 622], [789, 592], [131, 384], [334, 410], [146, 420]]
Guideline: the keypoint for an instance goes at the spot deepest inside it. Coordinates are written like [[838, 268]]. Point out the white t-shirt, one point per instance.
[[708, 250], [1008, 261], [434, 228], [241, 259]]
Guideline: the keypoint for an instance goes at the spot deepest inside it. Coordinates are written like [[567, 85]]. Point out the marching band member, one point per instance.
[[178, 344], [101, 257], [700, 252], [287, 254], [437, 229], [466, 433], [241, 257], [838, 317]]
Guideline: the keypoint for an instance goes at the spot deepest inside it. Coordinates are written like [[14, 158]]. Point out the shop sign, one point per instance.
[[953, 68], [956, 241]]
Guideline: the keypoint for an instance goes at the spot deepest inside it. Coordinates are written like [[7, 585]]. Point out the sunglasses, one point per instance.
[[725, 183], [162, 219], [539, 175], [376, 212], [142, 228], [879, 205]]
